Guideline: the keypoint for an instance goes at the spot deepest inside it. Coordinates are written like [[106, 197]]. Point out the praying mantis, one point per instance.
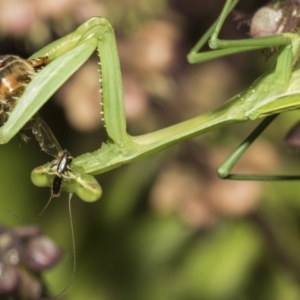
[[273, 93]]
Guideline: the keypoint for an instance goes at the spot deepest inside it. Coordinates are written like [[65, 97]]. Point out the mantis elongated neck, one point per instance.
[[174, 134], [201, 124]]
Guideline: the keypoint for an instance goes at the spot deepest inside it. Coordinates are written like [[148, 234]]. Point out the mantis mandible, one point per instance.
[[273, 93]]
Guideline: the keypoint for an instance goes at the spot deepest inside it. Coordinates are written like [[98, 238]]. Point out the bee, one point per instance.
[[15, 74]]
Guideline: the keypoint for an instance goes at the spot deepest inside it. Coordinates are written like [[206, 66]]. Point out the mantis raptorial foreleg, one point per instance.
[[273, 93]]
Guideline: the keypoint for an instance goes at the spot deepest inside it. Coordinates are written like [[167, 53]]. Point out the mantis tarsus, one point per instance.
[[273, 93]]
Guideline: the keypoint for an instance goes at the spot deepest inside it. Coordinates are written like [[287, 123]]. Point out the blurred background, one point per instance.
[[166, 226]]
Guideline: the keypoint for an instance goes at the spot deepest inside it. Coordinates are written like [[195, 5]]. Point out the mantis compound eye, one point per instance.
[[39, 177], [88, 188]]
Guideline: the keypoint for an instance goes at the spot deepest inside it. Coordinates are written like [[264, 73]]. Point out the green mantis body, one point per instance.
[[273, 93]]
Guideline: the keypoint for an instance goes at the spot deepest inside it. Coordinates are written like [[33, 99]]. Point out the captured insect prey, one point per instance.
[[15, 74], [62, 167]]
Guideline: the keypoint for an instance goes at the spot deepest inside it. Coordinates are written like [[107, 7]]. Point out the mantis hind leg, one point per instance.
[[228, 47], [227, 166]]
